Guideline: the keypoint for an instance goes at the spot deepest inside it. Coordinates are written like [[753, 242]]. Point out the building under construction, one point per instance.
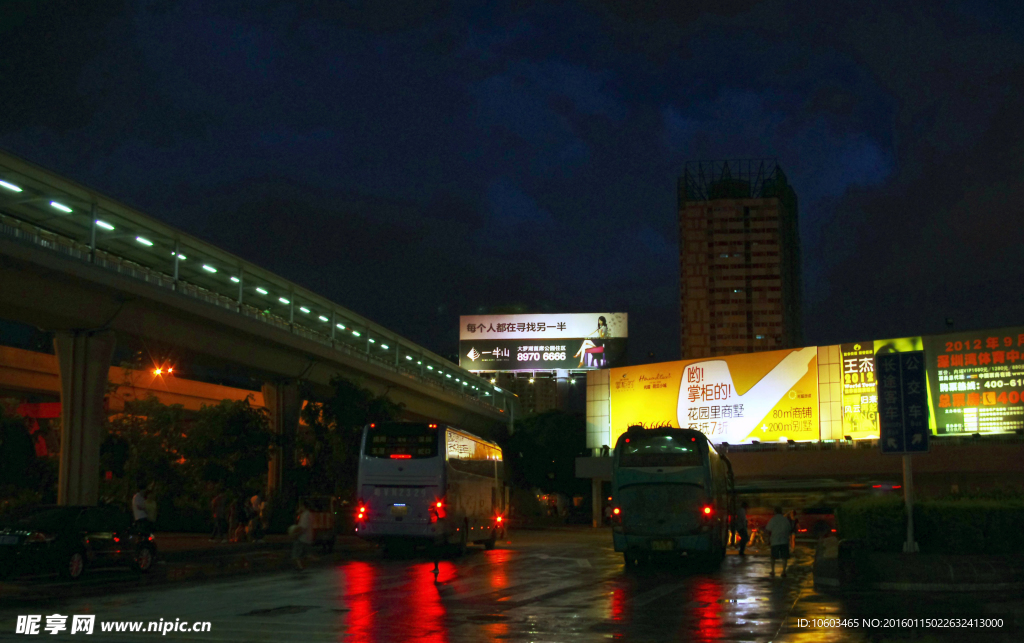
[[739, 256]]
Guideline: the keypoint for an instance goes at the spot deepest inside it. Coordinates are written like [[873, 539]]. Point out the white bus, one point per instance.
[[429, 483]]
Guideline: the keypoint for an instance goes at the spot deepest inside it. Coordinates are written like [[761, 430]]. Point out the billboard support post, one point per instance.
[[909, 547]]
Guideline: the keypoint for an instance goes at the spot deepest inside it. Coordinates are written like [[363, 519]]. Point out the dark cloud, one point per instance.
[[420, 160]]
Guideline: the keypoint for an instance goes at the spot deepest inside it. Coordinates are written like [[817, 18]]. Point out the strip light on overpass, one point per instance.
[[60, 206], [10, 186], [209, 268], [104, 225], [144, 241], [304, 309], [356, 333], [261, 291], [235, 279], [324, 319], [283, 301]]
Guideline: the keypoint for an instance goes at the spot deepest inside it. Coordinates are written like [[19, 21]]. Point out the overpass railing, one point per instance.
[[28, 233]]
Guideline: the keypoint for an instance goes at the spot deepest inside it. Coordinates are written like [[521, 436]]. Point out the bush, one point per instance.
[[967, 526], [877, 523], [962, 526]]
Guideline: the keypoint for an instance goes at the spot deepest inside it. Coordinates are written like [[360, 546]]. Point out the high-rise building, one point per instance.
[[739, 255]]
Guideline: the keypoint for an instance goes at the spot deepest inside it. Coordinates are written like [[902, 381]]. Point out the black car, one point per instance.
[[67, 539]]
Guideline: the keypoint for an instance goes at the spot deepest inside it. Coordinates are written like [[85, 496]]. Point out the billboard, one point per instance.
[[542, 342], [766, 396], [976, 380], [859, 388]]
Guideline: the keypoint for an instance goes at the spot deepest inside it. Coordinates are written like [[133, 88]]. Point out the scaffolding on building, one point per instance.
[[733, 179]]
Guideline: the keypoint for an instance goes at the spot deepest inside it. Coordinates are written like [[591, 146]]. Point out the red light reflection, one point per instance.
[[708, 611]]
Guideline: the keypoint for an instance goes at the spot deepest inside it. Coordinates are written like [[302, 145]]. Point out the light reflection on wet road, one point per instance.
[[542, 586]]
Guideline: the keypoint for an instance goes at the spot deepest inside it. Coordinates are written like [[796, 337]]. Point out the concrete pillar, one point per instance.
[[83, 359], [282, 402], [597, 502]]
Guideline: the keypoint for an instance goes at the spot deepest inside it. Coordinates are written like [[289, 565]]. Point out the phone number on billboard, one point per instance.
[[536, 357]]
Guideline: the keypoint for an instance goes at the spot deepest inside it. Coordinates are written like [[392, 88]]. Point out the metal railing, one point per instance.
[[28, 233]]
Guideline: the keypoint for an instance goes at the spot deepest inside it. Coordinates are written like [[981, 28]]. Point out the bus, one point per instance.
[[672, 494], [429, 483]]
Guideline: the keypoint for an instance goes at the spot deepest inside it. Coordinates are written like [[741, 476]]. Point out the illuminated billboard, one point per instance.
[[542, 342], [976, 380], [768, 396]]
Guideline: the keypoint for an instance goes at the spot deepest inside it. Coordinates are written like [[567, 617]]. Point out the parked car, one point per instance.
[[68, 539], [815, 523]]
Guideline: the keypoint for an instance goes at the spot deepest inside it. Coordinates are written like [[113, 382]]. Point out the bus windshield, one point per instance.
[[658, 450], [402, 440]]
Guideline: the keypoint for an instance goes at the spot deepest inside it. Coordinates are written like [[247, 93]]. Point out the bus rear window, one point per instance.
[[659, 451], [402, 441]]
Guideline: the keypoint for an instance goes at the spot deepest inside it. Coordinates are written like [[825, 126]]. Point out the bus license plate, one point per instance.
[[399, 510], [661, 545]]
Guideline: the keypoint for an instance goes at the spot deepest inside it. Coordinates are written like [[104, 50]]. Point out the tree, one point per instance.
[[542, 452], [329, 444]]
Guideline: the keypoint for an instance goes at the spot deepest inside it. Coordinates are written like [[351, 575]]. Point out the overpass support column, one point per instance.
[[83, 360], [283, 403]]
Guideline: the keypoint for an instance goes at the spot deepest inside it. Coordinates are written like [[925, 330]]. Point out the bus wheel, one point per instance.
[[632, 561]]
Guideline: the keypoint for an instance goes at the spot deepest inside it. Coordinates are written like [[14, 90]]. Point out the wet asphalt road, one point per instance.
[[538, 586]]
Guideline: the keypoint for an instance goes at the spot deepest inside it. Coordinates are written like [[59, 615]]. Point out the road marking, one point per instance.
[[542, 591]]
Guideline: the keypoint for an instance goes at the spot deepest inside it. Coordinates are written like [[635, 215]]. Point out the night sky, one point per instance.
[[416, 160]]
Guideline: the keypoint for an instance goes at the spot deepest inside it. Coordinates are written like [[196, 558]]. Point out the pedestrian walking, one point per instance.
[[742, 529], [236, 519], [302, 532], [779, 529], [255, 509], [139, 511], [218, 509]]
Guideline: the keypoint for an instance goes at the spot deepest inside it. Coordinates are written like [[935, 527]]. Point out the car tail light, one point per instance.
[[802, 530]]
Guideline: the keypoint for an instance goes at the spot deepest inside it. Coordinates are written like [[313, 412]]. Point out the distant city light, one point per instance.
[[261, 291], [104, 225], [10, 186], [144, 241], [60, 206], [208, 268]]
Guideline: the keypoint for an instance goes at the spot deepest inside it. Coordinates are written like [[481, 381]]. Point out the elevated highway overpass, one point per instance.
[[91, 270]]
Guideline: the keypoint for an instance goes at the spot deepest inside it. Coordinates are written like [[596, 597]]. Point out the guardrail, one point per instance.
[[30, 234]]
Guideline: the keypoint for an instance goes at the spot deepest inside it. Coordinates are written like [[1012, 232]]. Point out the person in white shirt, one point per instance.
[[139, 509], [779, 528], [304, 536]]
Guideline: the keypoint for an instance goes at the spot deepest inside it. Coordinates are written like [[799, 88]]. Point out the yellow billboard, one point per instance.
[[755, 396]]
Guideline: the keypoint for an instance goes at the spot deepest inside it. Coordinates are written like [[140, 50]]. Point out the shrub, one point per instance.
[[961, 526], [877, 523]]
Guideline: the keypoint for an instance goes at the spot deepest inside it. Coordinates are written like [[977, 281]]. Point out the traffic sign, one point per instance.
[[902, 402]]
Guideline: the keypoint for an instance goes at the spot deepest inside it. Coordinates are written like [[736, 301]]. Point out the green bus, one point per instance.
[[672, 495]]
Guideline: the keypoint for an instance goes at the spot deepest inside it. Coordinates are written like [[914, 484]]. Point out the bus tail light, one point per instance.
[[437, 510], [707, 511], [617, 515], [361, 514], [400, 456]]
